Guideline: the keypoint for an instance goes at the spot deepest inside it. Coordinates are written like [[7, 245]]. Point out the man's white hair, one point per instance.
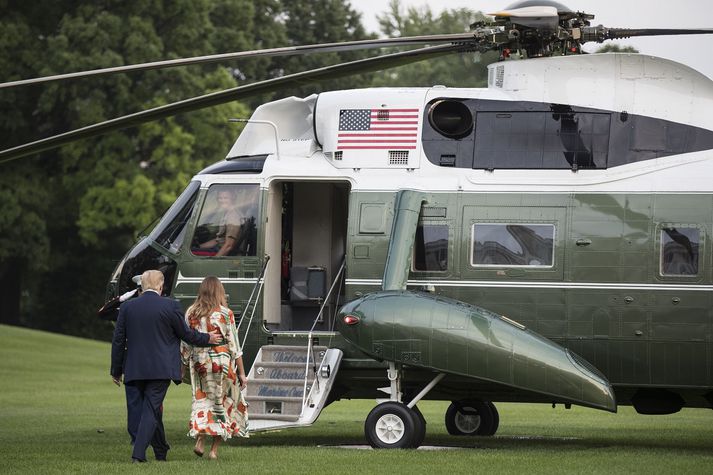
[[152, 279]]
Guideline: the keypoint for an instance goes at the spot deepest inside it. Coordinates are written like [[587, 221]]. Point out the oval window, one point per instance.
[[451, 119]]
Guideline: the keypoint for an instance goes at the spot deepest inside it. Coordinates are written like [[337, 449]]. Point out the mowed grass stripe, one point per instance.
[[60, 413]]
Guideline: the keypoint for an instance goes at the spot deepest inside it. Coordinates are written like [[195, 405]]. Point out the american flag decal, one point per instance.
[[374, 129]]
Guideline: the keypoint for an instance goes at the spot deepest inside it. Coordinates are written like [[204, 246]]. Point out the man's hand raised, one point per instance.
[[215, 337]]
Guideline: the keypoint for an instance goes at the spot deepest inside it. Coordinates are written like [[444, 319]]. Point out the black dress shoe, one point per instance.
[[137, 461]]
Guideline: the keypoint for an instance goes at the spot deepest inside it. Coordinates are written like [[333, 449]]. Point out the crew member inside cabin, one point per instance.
[[227, 224]]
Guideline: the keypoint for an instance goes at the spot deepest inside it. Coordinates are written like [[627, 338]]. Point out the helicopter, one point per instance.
[[544, 239]]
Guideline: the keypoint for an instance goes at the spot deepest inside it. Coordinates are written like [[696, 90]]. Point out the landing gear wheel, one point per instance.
[[420, 421], [472, 418], [496, 419], [391, 425]]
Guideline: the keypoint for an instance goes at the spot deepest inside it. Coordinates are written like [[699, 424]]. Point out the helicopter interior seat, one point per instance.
[[308, 285], [307, 291]]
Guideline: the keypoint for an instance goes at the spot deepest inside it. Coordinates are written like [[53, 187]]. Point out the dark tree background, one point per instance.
[[464, 70], [68, 215]]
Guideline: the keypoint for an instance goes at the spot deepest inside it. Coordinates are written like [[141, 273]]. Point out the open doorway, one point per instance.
[[306, 238]]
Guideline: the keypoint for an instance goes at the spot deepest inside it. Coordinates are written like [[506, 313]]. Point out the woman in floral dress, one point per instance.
[[219, 409]]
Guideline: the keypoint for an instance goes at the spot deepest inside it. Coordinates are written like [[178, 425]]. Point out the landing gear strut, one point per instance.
[[472, 418], [393, 424]]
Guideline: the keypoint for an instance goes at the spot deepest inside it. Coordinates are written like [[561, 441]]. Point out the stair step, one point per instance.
[[281, 364], [250, 399], [279, 417], [280, 382], [273, 411], [274, 405], [275, 388], [281, 371], [293, 347], [290, 354], [277, 396]]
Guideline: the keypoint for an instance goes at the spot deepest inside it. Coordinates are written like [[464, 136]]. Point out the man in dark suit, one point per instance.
[[145, 350]]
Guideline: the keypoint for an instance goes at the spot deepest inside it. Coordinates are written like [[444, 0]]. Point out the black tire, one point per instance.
[[391, 425], [420, 434], [471, 418], [496, 419]]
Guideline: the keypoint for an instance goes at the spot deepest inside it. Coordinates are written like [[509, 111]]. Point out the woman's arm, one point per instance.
[[241, 373], [234, 346]]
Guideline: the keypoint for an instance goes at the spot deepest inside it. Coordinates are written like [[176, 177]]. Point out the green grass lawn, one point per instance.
[[60, 413]]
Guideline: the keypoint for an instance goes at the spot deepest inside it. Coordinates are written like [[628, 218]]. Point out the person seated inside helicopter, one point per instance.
[[227, 228]]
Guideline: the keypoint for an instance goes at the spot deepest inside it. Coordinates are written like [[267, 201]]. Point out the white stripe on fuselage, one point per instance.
[[539, 285], [225, 280]]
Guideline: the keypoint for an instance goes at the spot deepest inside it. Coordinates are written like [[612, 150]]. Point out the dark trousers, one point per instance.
[[150, 429], [133, 410]]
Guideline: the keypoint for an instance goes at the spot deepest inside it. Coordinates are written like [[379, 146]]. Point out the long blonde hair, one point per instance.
[[211, 295]]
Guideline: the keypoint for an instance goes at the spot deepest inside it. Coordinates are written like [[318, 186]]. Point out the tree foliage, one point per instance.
[[460, 70], [309, 22], [616, 48], [69, 214]]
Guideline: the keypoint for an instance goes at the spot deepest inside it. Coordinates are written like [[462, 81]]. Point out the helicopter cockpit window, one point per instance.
[[170, 232], [513, 245], [679, 251], [228, 222], [431, 248]]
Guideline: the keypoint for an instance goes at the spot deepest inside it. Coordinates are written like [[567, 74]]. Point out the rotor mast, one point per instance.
[[547, 28]]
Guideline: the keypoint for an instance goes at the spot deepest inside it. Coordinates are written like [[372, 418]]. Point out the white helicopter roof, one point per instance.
[[637, 84], [320, 136]]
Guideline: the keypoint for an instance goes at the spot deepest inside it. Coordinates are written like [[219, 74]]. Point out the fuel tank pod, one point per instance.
[[450, 336]]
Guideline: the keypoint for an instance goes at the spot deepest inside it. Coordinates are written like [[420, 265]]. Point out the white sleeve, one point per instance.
[[127, 295]]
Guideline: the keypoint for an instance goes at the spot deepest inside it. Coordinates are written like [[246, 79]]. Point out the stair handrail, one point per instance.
[[309, 337], [258, 285]]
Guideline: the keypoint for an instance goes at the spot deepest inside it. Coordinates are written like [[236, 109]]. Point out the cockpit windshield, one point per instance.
[[171, 231], [227, 225]]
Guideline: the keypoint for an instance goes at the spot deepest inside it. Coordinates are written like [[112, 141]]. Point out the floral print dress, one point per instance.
[[219, 407]]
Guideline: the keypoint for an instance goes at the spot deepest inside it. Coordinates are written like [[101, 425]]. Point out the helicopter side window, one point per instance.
[[513, 245], [679, 251], [227, 225], [171, 231], [431, 248], [557, 139]]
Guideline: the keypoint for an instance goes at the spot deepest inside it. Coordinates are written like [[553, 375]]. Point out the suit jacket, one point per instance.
[[147, 336]]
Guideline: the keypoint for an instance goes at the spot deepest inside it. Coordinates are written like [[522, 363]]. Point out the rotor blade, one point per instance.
[[600, 33], [221, 97], [527, 12], [614, 33], [531, 17], [286, 51]]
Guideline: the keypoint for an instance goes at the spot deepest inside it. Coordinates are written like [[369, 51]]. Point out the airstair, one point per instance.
[[288, 386]]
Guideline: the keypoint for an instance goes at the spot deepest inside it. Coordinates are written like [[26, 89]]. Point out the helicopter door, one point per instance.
[[307, 229]]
